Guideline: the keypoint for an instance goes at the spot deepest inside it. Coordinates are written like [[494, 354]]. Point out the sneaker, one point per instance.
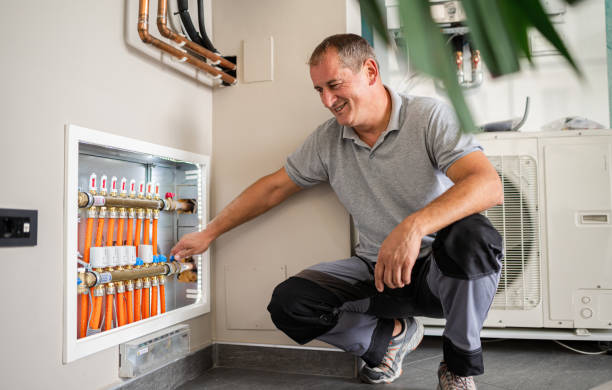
[[449, 381], [401, 345]]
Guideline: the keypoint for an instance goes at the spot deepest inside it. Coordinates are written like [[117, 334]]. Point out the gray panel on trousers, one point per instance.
[[187, 191], [188, 220]]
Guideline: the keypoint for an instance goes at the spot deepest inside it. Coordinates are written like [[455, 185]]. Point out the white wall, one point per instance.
[[67, 62], [255, 127], [552, 86]]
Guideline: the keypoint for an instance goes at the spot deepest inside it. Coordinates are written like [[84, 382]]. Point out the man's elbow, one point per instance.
[[498, 193]]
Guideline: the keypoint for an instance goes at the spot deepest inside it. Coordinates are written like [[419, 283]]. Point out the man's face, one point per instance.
[[342, 92]]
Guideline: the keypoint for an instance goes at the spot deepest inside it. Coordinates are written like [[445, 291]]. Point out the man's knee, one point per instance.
[[303, 309], [469, 248]]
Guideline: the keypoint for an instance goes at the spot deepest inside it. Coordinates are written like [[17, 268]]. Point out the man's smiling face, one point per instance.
[[341, 90]]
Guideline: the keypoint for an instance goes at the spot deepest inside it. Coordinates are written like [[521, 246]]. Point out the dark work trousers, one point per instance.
[[337, 302]]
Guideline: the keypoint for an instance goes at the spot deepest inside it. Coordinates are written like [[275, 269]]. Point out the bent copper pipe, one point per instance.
[[166, 32], [143, 32]]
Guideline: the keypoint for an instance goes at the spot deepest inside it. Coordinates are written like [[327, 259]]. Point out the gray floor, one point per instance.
[[510, 364]]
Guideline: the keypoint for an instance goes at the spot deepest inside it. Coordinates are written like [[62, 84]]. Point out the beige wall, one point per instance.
[[67, 62], [256, 126]]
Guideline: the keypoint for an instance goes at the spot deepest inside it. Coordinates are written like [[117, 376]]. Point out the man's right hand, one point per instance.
[[191, 244]]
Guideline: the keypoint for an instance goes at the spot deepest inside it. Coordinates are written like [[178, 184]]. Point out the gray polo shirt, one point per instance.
[[402, 173]]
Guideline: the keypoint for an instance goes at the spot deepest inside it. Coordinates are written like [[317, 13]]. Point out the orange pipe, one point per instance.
[[99, 232], [130, 232], [137, 234], [120, 309], [153, 301], [96, 313], [154, 243], [137, 306], [146, 313], [110, 231], [108, 317], [88, 236], [130, 306], [162, 298], [120, 232], [84, 314], [145, 236]]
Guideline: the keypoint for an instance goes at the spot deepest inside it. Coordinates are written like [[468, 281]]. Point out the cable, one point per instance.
[[579, 351], [183, 6]]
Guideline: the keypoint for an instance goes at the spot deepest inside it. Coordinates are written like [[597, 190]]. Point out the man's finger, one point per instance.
[[406, 272], [389, 277], [378, 276], [182, 254], [397, 276]]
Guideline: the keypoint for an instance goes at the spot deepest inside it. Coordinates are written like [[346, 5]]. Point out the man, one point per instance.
[[404, 171]]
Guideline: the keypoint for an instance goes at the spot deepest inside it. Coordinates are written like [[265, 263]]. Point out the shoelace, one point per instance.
[[389, 357]]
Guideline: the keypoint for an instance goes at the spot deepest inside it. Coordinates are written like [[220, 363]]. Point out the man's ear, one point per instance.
[[371, 70]]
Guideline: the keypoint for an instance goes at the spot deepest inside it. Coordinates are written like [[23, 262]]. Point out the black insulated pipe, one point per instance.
[[205, 40], [183, 7]]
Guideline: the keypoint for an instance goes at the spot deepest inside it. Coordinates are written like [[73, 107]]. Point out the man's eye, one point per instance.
[[334, 86]]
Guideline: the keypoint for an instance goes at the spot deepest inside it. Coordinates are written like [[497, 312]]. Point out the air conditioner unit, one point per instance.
[[557, 231]]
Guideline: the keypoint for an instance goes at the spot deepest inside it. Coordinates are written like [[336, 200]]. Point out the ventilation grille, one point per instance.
[[517, 222]]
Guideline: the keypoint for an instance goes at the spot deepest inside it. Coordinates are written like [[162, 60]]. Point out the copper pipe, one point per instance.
[[143, 32], [185, 205], [167, 33], [91, 279]]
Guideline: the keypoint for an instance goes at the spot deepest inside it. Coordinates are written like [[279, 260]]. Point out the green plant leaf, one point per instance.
[[373, 14], [537, 17], [429, 54], [489, 34]]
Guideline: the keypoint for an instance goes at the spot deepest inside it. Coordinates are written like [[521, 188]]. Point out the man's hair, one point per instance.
[[352, 50]]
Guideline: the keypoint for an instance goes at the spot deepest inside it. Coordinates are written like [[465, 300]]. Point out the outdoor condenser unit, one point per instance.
[[556, 224]]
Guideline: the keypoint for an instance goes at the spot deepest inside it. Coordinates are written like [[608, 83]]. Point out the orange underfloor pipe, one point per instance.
[[84, 303], [137, 305], [96, 313], [154, 301], [130, 232], [120, 232], [100, 232], [121, 313], [88, 237], [137, 234], [108, 316], [110, 231], [146, 309], [145, 236], [130, 306], [154, 240], [162, 298]]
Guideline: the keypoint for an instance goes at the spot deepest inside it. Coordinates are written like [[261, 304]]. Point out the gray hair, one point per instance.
[[352, 49]]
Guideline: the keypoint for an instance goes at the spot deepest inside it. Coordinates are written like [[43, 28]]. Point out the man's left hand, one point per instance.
[[397, 256]]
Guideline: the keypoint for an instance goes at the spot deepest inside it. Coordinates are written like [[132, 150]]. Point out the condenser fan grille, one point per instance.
[[517, 222]]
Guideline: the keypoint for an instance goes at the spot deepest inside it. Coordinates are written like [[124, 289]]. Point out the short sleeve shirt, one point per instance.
[[401, 173]]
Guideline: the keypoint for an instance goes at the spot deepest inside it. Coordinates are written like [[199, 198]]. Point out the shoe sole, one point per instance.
[[420, 333]]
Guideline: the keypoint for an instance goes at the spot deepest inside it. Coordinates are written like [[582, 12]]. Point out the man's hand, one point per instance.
[[397, 256], [191, 244]]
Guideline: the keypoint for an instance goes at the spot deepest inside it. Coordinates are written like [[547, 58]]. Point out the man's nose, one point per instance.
[[328, 98]]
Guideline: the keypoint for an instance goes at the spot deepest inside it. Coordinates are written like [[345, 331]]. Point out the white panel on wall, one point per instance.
[[258, 59], [248, 289]]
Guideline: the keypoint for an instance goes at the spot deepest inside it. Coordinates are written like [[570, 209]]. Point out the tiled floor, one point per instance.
[[510, 364]]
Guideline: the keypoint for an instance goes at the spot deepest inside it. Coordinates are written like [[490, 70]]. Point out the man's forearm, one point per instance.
[[473, 194], [258, 198]]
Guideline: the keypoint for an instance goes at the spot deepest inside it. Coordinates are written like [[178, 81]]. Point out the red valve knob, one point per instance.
[[170, 195]]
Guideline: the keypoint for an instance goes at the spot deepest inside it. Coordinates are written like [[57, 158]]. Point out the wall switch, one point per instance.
[[18, 227], [258, 59]]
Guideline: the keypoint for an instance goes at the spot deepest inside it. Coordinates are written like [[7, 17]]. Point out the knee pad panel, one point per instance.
[[303, 309], [469, 248]]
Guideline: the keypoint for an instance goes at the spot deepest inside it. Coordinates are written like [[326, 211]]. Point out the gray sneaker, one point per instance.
[[449, 381], [401, 345]]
